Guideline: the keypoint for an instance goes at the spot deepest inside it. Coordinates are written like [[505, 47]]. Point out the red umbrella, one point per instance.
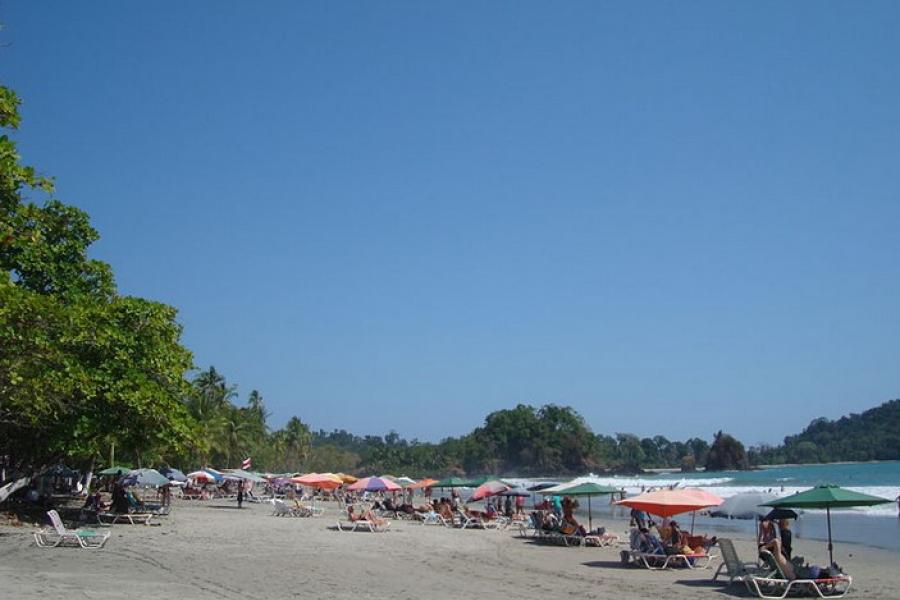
[[488, 489]]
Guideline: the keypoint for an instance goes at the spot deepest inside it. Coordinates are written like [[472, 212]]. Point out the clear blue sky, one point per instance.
[[674, 217]]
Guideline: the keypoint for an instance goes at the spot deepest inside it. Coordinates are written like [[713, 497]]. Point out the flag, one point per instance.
[[246, 464]]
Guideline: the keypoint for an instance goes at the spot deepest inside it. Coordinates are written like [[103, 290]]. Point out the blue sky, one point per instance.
[[674, 217]]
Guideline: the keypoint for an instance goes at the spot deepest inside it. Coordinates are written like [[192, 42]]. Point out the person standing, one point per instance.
[[240, 496]]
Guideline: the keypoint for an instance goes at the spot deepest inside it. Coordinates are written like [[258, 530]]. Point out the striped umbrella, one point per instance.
[[375, 484]]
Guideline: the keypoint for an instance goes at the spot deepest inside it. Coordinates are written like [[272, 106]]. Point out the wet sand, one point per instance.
[[212, 550]]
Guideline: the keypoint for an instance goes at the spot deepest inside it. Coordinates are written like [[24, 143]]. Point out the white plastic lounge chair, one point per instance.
[[363, 525], [777, 585], [736, 569], [657, 561], [433, 518], [60, 536], [111, 518]]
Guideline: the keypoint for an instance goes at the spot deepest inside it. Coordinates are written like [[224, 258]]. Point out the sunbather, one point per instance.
[[366, 516]]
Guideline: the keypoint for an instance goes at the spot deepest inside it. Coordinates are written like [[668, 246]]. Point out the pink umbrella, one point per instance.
[[668, 503], [488, 489], [375, 484]]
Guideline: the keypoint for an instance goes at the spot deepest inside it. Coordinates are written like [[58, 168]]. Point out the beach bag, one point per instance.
[[567, 529]]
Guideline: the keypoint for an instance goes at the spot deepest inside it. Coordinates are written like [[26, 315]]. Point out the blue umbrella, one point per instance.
[[173, 474], [144, 478]]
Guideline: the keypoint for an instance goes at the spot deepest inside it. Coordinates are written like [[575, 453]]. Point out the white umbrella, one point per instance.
[[745, 505]]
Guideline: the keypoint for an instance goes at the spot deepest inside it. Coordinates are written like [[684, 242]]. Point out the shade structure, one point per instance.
[[202, 477], [780, 513], [241, 474], [542, 486], [588, 489], [173, 474], [374, 484], [668, 503], [327, 481], [405, 481], [453, 482], [115, 470], [488, 489], [827, 497], [347, 478], [516, 492], [424, 483], [145, 478], [745, 505], [476, 481]]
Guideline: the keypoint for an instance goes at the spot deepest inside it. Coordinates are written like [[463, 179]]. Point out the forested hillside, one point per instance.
[[872, 435]]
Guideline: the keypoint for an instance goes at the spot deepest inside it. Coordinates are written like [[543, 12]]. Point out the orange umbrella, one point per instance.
[[668, 503], [425, 483], [327, 481], [347, 478]]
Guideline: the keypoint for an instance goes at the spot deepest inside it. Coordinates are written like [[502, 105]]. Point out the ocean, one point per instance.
[[877, 526]]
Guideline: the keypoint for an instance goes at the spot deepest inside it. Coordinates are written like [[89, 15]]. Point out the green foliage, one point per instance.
[[726, 454], [872, 435], [80, 366]]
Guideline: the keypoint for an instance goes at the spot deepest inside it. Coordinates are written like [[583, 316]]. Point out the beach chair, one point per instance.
[[657, 561], [363, 525], [112, 518], [736, 569], [60, 536], [777, 585], [433, 518]]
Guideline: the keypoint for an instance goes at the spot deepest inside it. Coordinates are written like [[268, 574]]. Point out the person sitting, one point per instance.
[[766, 535], [366, 516], [648, 543], [490, 513], [784, 531]]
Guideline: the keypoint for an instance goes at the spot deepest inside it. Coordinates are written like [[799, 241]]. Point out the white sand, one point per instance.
[[212, 550]]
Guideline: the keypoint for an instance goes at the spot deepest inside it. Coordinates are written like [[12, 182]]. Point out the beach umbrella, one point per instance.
[[241, 474], [516, 492], [173, 474], [115, 470], [201, 477], [424, 483], [347, 478], [588, 489], [453, 482], [827, 497], [404, 481], [745, 505], [145, 478], [488, 489], [474, 483], [374, 484], [542, 486], [780, 513], [327, 481], [668, 503]]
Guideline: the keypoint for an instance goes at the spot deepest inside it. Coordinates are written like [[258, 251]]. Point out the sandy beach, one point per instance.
[[213, 550]]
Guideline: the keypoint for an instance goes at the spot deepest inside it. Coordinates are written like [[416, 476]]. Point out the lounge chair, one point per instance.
[[657, 561], [111, 518], [59, 536], [363, 525], [433, 518], [777, 585], [736, 569]]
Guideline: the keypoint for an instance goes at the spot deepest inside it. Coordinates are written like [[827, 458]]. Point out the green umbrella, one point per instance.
[[453, 482], [115, 470], [827, 497], [474, 483], [587, 489]]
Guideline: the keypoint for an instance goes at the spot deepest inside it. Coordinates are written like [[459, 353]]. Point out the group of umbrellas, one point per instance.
[[668, 503]]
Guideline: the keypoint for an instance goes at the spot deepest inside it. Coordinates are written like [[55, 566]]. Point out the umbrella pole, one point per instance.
[[830, 548], [590, 518], [693, 516]]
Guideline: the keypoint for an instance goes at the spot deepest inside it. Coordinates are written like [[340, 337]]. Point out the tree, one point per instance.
[[80, 365], [726, 454]]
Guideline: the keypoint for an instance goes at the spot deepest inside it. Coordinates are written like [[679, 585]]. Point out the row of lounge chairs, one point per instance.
[[280, 508]]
